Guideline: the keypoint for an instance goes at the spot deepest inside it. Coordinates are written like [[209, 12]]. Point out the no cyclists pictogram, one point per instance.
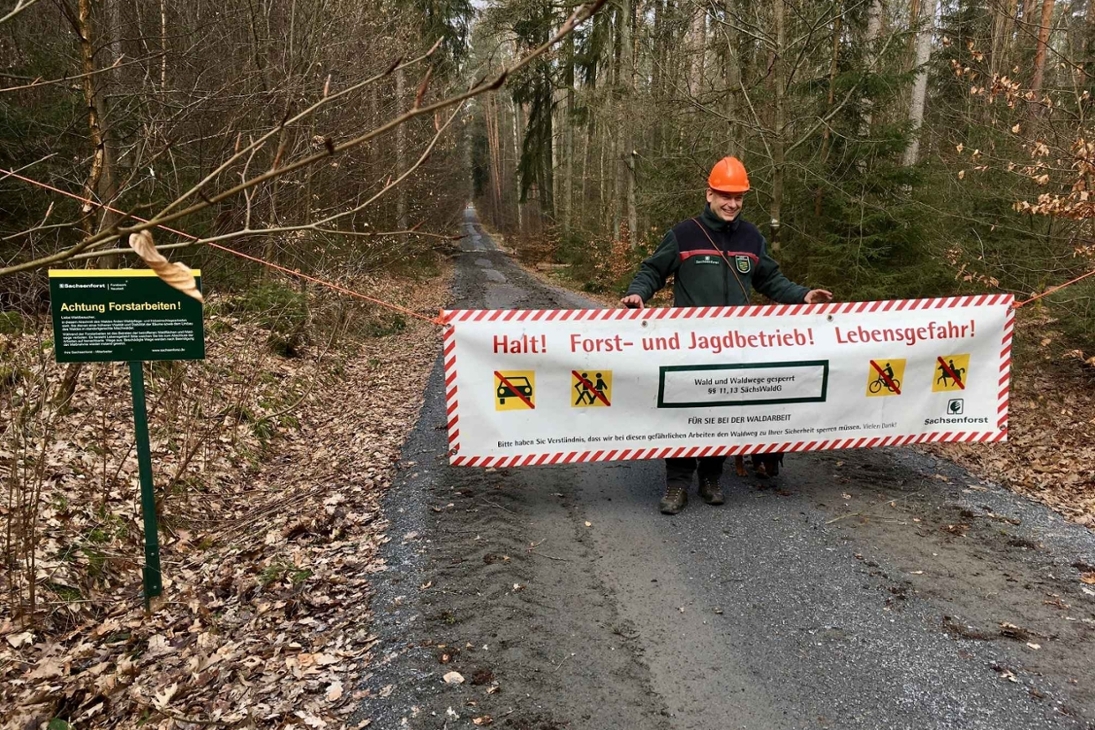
[[884, 377]]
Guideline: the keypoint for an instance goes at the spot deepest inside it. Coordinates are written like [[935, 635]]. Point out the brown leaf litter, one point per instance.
[[271, 521], [1050, 452]]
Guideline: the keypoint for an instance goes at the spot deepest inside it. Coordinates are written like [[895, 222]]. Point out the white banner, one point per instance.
[[531, 387]]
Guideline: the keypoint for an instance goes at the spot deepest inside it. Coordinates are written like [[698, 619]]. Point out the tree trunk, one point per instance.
[[163, 45], [400, 153], [1024, 26], [779, 18], [920, 85], [113, 33], [547, 167], [732, 79], [657, 72], [1002, 17], [632, 207], [100, 180], [490, 117], [914, 21], [874, 29], [1040, 52], [826, 134], [625, 90], [583, 198], [1028, 12], [568, 136], [518, 125], [697, 50], [610, 213], [100, 185]]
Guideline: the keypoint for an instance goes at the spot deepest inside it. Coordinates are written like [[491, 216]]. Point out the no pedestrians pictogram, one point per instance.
[[593, 388]]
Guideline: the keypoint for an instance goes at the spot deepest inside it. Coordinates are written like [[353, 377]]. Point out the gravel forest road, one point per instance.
[[863, 589]]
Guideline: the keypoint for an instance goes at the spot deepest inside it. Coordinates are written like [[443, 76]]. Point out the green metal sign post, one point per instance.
[[153, 584], [128, 315]]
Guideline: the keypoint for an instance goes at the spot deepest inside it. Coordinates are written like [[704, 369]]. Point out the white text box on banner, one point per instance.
[[532, 387]]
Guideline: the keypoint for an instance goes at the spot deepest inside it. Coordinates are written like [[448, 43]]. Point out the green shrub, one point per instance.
[[1075, 306], [12, 323], [384, 325], [280, 309], [11, 376]]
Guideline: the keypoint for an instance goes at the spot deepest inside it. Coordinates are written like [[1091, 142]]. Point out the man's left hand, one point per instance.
[[818, 296]]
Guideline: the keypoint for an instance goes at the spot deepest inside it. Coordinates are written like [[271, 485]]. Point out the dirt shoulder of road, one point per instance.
[[1050, 452], [269, 534]]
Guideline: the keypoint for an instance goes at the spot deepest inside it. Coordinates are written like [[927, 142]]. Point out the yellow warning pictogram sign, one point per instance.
[[885, 376], [950, 373], [514, 390], [590, 388]]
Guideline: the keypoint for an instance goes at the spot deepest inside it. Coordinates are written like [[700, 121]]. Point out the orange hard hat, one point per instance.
[[728, 176]]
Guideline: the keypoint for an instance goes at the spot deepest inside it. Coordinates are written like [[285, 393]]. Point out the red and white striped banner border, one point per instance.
[[1005, 371], [451, 402], [763, 310], [580, 457]]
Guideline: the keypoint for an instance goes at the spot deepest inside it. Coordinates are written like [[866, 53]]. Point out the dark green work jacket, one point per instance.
[[714, 263]]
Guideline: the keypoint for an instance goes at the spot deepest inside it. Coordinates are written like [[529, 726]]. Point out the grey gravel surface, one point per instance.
[[860, 589]]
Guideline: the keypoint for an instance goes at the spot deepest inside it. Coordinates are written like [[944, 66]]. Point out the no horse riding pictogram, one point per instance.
[[950, 373]]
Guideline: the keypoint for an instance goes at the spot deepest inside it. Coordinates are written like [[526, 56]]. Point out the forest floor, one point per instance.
[[324, 569], [1050, 452], [270, 528]]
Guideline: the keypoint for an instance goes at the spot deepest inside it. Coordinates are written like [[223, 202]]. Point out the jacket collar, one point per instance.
[[715, 223]]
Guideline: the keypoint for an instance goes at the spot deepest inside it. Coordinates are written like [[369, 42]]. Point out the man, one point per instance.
[[715, 259]]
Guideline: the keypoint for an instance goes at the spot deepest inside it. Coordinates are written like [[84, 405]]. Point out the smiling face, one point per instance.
[[725, 205]]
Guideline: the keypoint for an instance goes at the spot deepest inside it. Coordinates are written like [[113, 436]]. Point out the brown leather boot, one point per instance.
[[711, 490], [676, 497]]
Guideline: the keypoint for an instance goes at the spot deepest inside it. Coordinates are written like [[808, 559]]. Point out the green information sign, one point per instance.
[[128, 315], [123, 315]]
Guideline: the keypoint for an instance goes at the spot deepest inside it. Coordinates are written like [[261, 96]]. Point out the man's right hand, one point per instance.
[[632, 301]]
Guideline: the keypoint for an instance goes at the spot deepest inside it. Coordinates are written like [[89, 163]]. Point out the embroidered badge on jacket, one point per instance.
[[744, 264]]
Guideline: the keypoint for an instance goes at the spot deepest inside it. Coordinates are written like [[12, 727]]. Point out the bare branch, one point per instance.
[[397, 65], [317, 226], [20, 6], [583, 13], [38, 82]]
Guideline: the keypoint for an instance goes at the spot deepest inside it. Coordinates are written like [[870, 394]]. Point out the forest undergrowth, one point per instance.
[[271, 457]]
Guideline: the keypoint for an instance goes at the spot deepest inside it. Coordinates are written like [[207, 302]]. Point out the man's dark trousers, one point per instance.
[[680, 471]]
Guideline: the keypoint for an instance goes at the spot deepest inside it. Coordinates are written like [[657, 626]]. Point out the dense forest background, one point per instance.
[[896, 148], [154, 108]]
